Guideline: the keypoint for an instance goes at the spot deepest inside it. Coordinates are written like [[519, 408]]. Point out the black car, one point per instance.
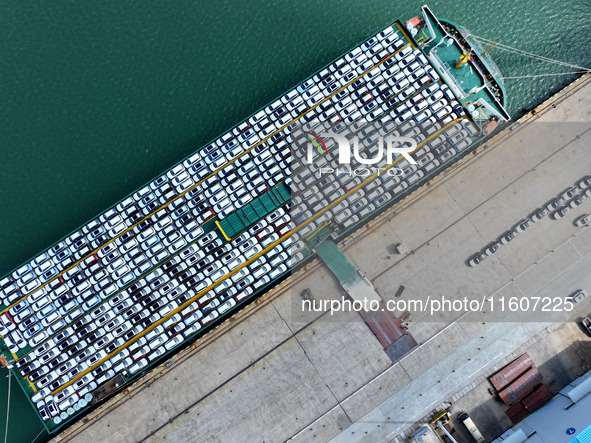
[[135, 216], [26, 370]]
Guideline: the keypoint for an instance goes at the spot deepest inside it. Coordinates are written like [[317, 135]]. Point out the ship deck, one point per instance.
[[467, 78], [88, 310]]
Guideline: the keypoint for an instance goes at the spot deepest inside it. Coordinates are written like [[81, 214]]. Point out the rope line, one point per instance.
[[546, 75], [521, 52], [42, 430], [7, 407]]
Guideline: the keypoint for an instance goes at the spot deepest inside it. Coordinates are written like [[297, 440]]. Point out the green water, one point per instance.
[[99, 97]]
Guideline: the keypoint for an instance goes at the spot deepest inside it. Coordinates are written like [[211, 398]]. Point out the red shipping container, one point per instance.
[[511, 372], [521, 387], [516, 413], [537, 399]]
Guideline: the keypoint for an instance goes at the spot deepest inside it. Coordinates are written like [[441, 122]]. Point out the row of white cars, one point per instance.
[[235, 185], [326, 180], [328, 188], [556, 208], [253, 173], [90, 322], [106, 329]]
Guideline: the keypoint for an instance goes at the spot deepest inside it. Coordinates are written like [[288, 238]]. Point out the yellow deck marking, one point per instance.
[[249, 261], [210, 175], [222, 231], [197, 184]]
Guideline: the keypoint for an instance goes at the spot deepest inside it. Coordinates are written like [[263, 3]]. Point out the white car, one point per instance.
[[173, 342], [582, 220], [228, 304], [209, 318], [137, 366], [68, 402]]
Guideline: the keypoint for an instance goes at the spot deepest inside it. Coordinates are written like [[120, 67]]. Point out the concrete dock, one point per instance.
[[274, 373]]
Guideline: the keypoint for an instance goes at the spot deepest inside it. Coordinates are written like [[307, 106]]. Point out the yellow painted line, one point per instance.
[[212, 174], [314, 231], [254, 258], [312, 108], [213, 285], [274, 244], [361, 422], [33, 387], [287, 345], [222, 231], [248, 262]]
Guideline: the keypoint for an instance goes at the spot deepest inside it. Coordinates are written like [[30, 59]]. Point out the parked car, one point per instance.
[[508, 236], [539, 215], [569, 193], [492, 248], [575, 202], [585, 183], [555, 204], [523, 225], [586, 324], [583, 220], [476, 259], [137, 366], [561, 212]]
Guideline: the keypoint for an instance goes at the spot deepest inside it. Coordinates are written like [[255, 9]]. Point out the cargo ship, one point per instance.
[[169, 262]]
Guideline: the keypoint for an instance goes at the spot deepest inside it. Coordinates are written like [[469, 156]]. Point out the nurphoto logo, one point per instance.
[[392, 147]]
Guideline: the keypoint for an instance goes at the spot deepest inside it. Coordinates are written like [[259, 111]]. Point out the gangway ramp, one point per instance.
[[352, 280], [386, 327]]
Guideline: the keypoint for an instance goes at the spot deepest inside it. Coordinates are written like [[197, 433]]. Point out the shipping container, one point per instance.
[[537, 399], [521, 387], [516, 413], [511, 372]]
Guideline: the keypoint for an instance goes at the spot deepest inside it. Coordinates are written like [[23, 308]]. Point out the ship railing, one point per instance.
[[483, 72], [489, 108]]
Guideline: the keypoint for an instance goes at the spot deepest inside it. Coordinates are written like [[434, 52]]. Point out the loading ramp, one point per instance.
[[386, 327]]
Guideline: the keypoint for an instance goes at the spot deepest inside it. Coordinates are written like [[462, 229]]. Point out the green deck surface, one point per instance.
[[338, 263], [256, 210]]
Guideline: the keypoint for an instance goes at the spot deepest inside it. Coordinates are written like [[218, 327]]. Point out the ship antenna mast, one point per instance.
[[490, 47], [463, 58], [467, 54]]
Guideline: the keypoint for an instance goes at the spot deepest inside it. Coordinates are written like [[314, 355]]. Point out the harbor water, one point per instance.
[[98, 98]]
